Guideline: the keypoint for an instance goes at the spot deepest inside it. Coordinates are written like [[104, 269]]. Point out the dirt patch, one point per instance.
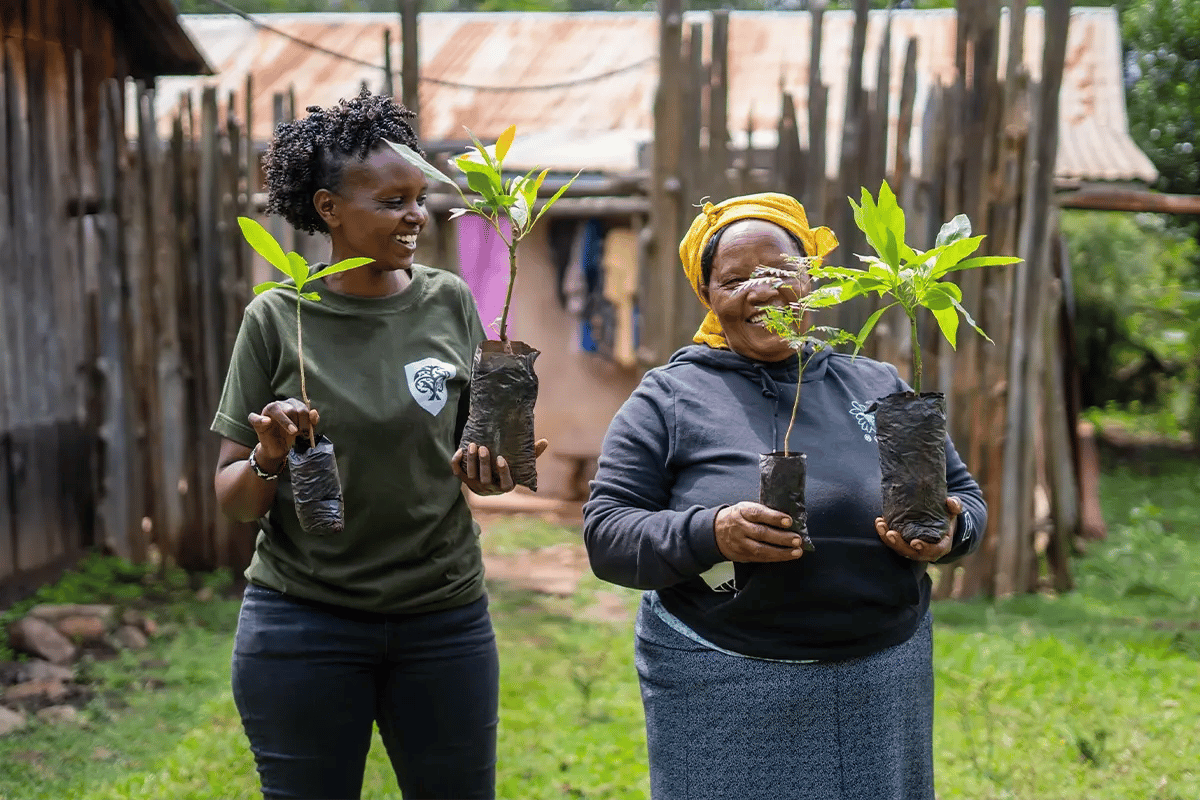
[[553, 570]]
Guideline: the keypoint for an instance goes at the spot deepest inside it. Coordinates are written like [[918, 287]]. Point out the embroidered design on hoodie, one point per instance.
[[865, 418]]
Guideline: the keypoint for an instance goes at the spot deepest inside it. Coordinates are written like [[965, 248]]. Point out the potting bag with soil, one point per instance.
[[911, 431], [316, 488], [504, 390]]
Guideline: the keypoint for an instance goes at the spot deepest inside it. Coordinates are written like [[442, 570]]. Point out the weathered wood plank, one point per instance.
[[718, 107], [660, 329], [8, 306], [818, 109], [688, 312], [119, 509], [410, 59]]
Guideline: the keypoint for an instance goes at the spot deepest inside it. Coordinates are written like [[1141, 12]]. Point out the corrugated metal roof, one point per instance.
[[599, 124]]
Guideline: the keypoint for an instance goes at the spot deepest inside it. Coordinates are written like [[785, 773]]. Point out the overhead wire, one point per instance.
[[260, 25]]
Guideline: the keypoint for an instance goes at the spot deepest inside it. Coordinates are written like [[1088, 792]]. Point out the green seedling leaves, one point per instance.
[[911, 278], [299, 269], [341, 266], [414, 158], [268, 285], [264, 244]]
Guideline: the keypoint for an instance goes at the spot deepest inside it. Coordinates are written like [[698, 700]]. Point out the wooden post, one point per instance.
[[1027, 304], [902, 185], [718, 108], [850, 168], [10, 383], [818, 107], [387, 63], [692, 178], [660, 328], [410, 60]]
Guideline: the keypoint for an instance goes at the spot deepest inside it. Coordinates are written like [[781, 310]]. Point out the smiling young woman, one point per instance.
[[385, 622]]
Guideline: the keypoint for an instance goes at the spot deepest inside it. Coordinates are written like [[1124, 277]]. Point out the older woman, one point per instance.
[[809, 674]]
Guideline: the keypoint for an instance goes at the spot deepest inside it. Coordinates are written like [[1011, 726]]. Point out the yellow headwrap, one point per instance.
[[781, 209]]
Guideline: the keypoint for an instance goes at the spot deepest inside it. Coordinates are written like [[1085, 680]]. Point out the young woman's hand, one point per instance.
[[484, 474], [752, 532], [278, 426], [918, 550]]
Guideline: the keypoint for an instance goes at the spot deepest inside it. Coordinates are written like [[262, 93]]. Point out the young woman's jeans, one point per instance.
[[310, 679]]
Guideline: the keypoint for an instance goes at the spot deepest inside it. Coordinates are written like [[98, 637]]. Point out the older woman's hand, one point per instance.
[[752, 532], [918, 550], [483, 474]]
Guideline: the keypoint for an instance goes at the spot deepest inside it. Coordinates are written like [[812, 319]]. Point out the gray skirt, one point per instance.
[[727, 727]]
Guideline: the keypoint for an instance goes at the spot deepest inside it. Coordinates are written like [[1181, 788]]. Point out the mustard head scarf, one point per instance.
[[780, 209]]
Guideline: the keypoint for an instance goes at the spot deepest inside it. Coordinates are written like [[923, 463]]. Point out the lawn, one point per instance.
[[1092, 694]]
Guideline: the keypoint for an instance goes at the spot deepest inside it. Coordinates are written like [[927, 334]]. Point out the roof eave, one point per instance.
[[158, 42]]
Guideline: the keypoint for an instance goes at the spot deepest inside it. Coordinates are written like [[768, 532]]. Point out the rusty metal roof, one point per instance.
[[585, 81]]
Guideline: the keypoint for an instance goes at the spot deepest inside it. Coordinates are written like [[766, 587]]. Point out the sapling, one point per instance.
[[513, 200], [312, 469], [911, 426], [503, 383], [911, 278], [782, 475]]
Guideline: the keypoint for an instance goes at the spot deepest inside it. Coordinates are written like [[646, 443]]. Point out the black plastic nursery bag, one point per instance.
[[911, 430], [316, 487], [504, 390]]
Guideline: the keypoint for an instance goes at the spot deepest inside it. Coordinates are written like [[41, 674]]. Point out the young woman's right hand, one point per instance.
[[752, 532], [278, 426]]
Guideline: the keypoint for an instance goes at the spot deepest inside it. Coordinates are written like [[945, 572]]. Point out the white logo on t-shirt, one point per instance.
[[427, 382]]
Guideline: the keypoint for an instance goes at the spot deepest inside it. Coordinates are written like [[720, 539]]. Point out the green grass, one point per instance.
[[1090, 694]]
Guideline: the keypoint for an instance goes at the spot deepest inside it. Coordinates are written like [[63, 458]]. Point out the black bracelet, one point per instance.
[[259, 471]]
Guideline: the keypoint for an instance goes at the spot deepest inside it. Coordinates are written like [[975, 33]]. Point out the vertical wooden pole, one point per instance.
[[692, 178], [387, 63], [665, 185], [818, 106], [718, 108], [410, 59], [1027, 306]]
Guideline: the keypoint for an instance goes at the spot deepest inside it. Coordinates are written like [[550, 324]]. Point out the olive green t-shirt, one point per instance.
[[386, 375]]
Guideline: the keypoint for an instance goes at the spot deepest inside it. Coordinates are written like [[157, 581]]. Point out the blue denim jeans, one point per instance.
[[310, 679]]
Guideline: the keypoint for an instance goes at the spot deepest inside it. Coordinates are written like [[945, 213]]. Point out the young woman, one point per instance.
[[387, 621]]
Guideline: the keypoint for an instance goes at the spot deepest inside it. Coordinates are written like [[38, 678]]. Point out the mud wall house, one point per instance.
[[592, 294], [56, 62]]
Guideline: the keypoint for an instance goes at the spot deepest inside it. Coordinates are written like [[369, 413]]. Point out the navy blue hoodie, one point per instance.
[[686, 444]]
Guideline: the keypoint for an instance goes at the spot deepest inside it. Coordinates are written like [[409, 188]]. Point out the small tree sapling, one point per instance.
[[503, 384], [911, 426], [312, 470], [782, 474]]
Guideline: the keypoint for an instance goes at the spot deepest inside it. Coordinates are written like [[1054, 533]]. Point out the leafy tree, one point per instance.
[[1162, 62]]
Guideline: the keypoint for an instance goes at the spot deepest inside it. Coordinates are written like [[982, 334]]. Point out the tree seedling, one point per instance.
[[911, 278], [294, 266], [512, 200], [790, 322]]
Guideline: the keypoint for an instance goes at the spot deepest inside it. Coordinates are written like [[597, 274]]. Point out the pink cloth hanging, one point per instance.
[[483, 264]]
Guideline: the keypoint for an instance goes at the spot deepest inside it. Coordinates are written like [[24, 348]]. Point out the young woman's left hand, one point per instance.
[[918, 550], [484, 474]]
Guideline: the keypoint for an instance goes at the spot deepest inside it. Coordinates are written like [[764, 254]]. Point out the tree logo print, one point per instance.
[[431, 380], [428, 382]]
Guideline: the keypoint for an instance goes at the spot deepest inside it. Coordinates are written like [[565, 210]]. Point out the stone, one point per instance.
[[50, 690], [82, 629], [10, 721], [39, 638], [150, 627], [38, 670], [131, 638], [53, 612], [60, 714], [205, 594]]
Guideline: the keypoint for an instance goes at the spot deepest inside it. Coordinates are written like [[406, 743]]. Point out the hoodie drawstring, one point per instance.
[[770, 389]]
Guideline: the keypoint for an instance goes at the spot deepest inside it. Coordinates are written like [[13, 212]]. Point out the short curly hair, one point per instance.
[[308, 154]]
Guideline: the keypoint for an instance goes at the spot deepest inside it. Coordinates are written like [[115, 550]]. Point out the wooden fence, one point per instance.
[[125, 277], [988, 150]]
